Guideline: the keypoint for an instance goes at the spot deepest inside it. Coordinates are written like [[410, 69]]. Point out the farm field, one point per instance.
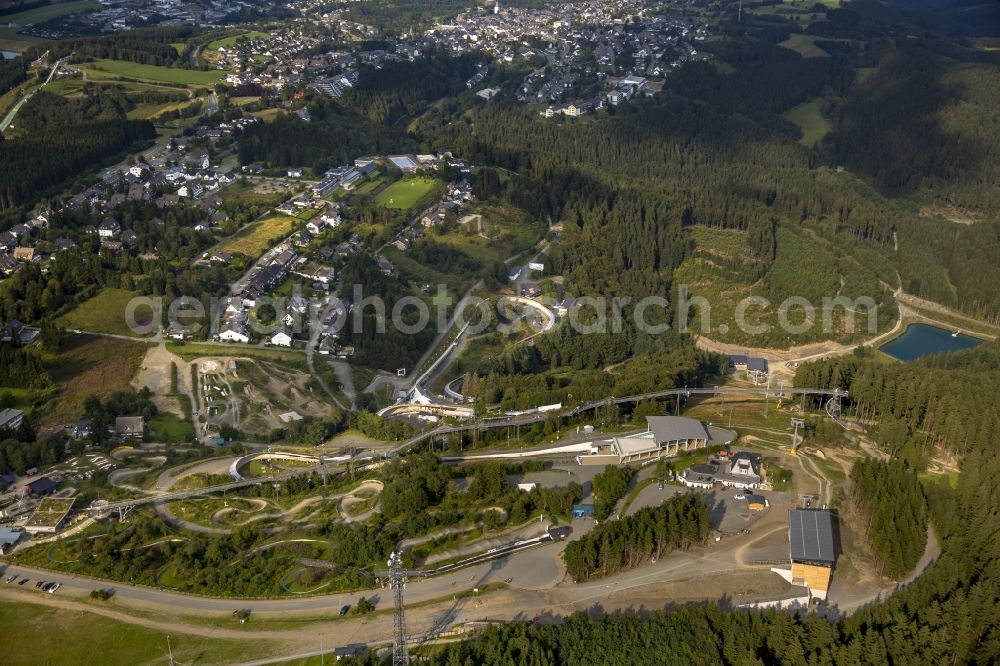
[[133, 70], [803, 4], [149, 111], [406, 193], [809, 118], [65, 86], [49, 12], [804, 45], [801, 14], [12, 40], [253, 240], [71, 86], [267, 115], [105, 313]]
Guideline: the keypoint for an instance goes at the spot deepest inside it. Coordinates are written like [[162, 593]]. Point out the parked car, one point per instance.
[[739, 496], [55, 586], [344, 609], [23, 581], [39, 584], [11, 578]]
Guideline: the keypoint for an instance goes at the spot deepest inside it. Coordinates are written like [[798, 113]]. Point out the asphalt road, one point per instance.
[[535, 568]]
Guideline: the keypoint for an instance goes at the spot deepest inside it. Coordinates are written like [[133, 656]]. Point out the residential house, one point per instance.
[[190, 190], [234, 329], [176, 331], [386, 266], [109, 228], [283, 338], [11, 419], [8, 264], [11, 330], [284, 259], [8, 241], [24, 253], [741, 470]]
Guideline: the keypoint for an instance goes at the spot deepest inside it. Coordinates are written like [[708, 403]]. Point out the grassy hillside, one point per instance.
[[104, 313], [134, 70], [30, 638]]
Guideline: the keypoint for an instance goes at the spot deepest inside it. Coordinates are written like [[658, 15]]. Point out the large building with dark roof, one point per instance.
[[754, 367], [666, 436], [812, 549]]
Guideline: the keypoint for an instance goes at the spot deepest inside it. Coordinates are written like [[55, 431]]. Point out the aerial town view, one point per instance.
[[533, 332]]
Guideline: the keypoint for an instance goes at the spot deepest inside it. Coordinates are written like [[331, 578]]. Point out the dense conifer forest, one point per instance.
[[58, 138], [617, 545], [891, 501]]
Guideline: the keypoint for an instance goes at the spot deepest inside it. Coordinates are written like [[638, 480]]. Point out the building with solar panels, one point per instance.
[[812, 549]]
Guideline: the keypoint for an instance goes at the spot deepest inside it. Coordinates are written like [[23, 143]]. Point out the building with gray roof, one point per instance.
[[810, 536]]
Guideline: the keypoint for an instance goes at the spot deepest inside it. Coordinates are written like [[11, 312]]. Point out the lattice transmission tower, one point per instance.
[[397, 583]]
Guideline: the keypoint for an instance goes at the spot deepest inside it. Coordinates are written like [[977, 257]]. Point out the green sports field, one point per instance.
[[134, 70], [406, 193]]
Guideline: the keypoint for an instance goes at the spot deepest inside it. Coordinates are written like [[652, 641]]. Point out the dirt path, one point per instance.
[[155, 373], [932, 551], [941, 309], [811, 469]]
